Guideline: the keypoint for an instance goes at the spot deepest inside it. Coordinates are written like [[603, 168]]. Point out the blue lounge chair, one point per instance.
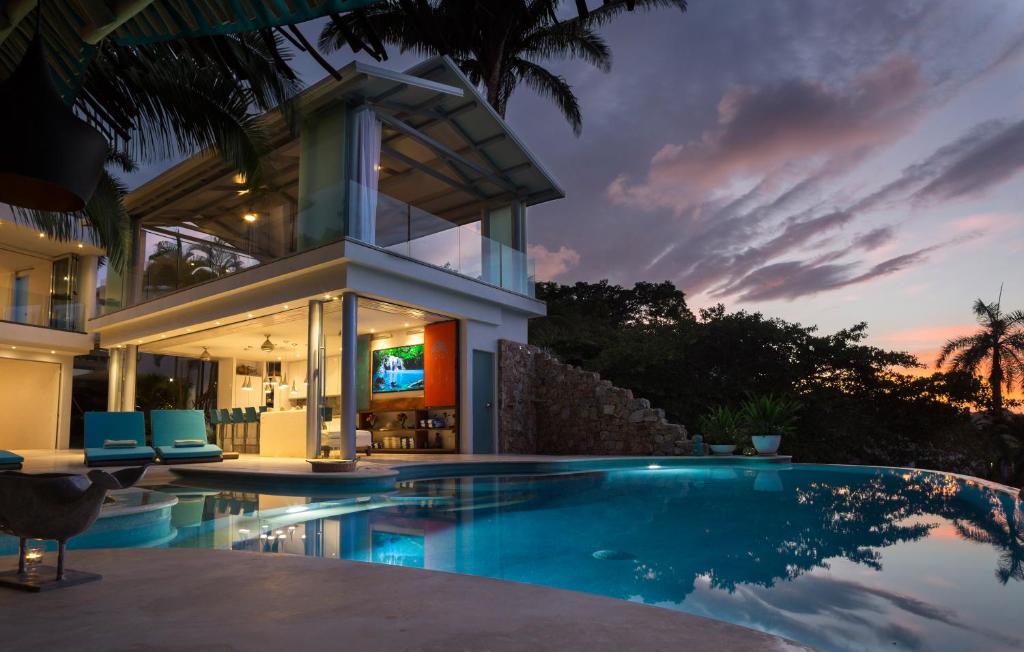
[[9, 461], [180, 437], [116, 439]]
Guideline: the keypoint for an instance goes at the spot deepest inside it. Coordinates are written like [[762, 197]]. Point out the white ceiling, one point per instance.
[[287, 332]]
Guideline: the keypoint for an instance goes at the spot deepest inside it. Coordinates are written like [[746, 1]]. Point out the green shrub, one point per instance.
[[769, 415], [722, 425]]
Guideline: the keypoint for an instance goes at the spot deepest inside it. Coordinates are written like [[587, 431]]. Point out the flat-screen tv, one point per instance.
[[398, 369]]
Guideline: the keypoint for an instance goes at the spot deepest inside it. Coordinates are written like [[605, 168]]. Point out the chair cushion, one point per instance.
[[7, 457], [172, 453], [189, 443], [171, 425], [120, 443], [115, 454], [101, 426]]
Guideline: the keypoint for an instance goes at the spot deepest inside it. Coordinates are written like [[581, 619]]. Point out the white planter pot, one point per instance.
[[722, 449], [766, 444]]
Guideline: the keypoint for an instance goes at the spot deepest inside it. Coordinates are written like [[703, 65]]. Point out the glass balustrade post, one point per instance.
[[349, 353], [314, 377]]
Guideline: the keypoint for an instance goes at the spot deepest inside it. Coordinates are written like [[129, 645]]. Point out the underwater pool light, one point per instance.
[[654, 466]]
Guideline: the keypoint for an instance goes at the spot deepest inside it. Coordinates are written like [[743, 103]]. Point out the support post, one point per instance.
[[349, 327], [131, 356], [314, 378], [115, 373]]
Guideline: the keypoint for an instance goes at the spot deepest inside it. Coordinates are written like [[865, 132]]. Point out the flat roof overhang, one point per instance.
[[444, 148], [344, 266]]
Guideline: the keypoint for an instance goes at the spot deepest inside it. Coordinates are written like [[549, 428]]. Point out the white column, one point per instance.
[[131, 355], [115, 371], [87, 267], [314, 376], [349, 334]]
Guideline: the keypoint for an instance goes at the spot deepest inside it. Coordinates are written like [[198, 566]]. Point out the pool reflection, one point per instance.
[[839, 559]]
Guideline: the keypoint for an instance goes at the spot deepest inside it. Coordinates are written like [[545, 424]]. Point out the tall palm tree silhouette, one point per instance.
[[999, 343]]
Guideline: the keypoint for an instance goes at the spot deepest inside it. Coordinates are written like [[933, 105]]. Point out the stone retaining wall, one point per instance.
[[547, 407]]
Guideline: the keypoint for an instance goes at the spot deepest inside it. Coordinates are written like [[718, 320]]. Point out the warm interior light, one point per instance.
[[42, 235], [81, 246], [239, 178], [250, 217]]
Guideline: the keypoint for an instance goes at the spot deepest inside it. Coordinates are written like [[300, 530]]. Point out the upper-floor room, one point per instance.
[[415, 165], [45, 282]]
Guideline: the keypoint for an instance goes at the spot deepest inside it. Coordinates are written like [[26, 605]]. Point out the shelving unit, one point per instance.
[[388, 423]]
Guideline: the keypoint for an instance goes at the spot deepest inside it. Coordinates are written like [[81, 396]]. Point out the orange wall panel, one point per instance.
[[441, 359]]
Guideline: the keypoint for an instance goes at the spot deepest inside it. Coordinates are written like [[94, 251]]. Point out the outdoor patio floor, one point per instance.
[[179, 599]]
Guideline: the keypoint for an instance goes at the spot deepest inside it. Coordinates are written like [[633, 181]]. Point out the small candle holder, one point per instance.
[[34, 551]]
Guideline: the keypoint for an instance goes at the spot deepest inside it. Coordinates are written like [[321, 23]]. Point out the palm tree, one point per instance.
[[498, 44], [172, 99], [1000, 343]]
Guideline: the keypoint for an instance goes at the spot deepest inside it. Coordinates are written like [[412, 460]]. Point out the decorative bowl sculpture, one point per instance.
[[55, 506]]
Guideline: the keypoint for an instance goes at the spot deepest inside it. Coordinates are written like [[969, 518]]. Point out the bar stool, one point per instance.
[[252, 416], [214, 418], [224, 420], [238, 417]]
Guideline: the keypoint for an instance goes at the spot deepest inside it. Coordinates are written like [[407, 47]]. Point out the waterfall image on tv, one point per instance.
[[398, 369]]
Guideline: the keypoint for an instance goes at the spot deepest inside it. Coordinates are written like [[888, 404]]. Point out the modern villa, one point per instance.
[[312, 389], [363, 286]]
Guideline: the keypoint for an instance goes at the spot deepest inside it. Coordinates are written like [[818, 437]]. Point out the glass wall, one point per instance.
[[464, 249], [39, 292]]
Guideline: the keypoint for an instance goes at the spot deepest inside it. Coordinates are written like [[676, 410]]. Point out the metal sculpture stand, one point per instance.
[[53, 506]]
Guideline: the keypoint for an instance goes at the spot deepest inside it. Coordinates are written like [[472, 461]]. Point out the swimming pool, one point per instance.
[[841, 558]]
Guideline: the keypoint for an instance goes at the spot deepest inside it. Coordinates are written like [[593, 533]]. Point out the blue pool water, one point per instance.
[[841, 558]]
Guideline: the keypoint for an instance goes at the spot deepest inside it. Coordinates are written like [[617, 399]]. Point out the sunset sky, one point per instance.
[[825, 162]]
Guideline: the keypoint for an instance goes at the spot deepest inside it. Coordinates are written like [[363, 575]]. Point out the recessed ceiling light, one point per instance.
[[52, 352], [189, 330], [250, 315], [14, 347], [250, 217], [81, 246], [162, 336], [406, 324], [216, 323], [286, 306], [42, 235]]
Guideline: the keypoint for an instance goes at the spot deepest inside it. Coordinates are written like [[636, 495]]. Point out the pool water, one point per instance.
[[840, 558]]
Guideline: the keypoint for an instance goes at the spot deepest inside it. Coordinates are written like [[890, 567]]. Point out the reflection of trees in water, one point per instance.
[[1000, 526], [721, 528]]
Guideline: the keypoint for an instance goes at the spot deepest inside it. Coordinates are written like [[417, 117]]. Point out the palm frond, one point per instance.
[[957, 344], [547, 84]]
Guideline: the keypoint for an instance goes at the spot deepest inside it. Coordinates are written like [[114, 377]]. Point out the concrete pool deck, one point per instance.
[[380, 472], [186, 599]]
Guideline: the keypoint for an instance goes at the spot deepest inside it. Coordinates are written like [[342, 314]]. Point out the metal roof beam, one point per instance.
[[413, 163], [442, 150]]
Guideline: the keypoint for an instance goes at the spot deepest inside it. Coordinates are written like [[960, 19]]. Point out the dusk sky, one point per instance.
[[825, 162]]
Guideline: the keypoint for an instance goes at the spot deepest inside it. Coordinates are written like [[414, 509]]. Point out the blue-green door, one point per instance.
[[483, 402]]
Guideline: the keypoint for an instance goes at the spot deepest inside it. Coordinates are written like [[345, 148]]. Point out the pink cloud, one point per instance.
[[552, 264], [762, 130]]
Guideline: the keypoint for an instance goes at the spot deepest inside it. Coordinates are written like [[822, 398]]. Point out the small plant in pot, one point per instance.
[[722, 428], [767, 418]]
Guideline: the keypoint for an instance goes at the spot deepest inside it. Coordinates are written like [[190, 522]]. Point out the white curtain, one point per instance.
[[365, 173]]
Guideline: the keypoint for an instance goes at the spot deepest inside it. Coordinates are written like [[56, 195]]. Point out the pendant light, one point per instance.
[[247, 384], [294, 392], [284, 381], [205, 355], [51, 160], [267, 345]]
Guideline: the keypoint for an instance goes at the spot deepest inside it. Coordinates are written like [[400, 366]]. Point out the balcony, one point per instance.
[[194, 252], [41, 293]]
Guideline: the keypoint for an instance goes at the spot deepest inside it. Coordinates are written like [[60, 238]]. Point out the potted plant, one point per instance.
[[722, 428], [767, 418]]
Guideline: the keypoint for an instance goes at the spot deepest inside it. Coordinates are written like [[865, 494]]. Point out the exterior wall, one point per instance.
[[35, 397], [475, 335], [547, 407]]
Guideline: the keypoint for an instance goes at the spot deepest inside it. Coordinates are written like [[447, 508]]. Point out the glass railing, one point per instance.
[[407, 230], [38, 309], [177, 257]]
